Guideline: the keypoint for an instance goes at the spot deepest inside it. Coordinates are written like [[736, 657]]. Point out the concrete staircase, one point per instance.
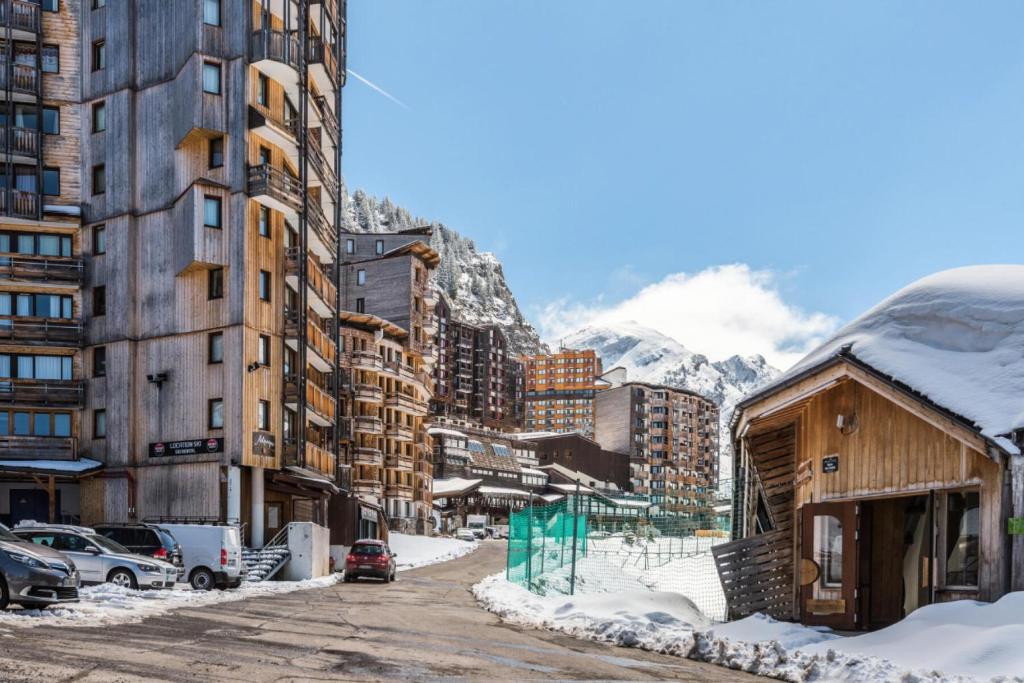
[[263, 564]]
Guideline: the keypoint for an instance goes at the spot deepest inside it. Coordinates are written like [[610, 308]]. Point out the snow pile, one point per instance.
[[957, 337], [953, 642], [419, 551], [107, 604]]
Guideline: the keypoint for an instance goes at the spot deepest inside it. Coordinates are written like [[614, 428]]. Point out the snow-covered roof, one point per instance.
[[501, 491], [444, 431], [531, 471], [570, 488], [445, 487], [68, 466], [955, 337], [630, 502]]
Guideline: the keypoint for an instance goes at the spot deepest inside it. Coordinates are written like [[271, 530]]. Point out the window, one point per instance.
[[211, 12], [99, 424], [212, 211], [51, 5], [215, 284], [51, 120], [99, 301], [350, 246], [360, 305], [99, 240], [379, 247], [263, 415], [216, 152], [215, 350], [96, 4], [263, 350], [962, 538], [211, 78], [264, 222], [99, 361], [262, 85], [360, 277], [264, 285], [99, 179], [50, 58], [215, 413], [264, 155], [51, 181], [99, 117], [99, 55]]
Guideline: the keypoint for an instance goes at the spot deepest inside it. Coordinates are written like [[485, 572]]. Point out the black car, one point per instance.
[[144, 539]]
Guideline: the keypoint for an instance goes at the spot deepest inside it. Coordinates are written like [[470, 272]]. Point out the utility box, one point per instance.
[[310, 546]]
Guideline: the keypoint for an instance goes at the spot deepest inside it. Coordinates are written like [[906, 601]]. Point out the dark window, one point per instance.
[[264, 222], [51, 181], [99, 301], [96, 4], [963, 534], [263, 352], [212, 209], [262, 85], [99, 55], [99, 240], [263, 415], [50, 59], [215, 413], [264, 155], [216, 348], [51, 120], [99, 179], [216, 152], [99, 117], [265, 284], [215, 284], [51, 5], [211, 12], [99, 361], [99, 424], [360, 305], [211, 78]]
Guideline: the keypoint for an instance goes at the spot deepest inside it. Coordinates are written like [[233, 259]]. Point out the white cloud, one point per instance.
[[720, 311]]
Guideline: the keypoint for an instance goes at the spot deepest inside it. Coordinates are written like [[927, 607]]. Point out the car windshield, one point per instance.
[[106, 544], [367, 550], [6, 535]]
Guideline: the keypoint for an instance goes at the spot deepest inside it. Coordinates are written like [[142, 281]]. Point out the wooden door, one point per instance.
[[828, 552]]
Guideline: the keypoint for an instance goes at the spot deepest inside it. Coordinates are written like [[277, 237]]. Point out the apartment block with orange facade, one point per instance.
[[559, 391]]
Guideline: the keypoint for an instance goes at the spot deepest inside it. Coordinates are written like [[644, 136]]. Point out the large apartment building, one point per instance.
[[671, 436], [477, 379], [41, 268], [560, 389]]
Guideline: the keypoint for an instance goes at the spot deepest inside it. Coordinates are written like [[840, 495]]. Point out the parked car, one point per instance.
[[34, 576], [211, 554], [370, 557], [496, 531], [99, 559], [465, 534], [145, 539]]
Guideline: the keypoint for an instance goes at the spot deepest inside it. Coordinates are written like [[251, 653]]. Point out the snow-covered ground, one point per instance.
[[951, 642], [419, 551], [106, 604]]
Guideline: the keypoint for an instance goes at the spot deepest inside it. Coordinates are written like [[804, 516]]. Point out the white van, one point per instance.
[[210, 553]]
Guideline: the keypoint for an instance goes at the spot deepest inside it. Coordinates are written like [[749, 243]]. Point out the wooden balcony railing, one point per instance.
[[397, 490], [405, 402], [320, 459], [17, 141], [270, 181], [316, 278], [41, 392], [398, 431], [262, 116], [19, 203], [364, 455], [328, 119], [317, 400], [370, 393], [322, 167], [324, 229], [277, 46], [366, 424], [316, 339], [20, 78], [323, 54], [38, 448], [41, 330], [398, 460], [21, 15], [367, 360]]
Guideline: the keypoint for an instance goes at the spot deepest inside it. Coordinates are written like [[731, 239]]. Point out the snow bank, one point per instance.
[[955, 337], [107, 604], [948, 643], [419, 551]]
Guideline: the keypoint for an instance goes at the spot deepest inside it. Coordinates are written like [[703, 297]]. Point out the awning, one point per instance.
[[454, 487], [58, 467], [308, 477]]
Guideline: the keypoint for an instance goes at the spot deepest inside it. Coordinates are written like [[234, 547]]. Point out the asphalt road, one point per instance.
[[426, 626]]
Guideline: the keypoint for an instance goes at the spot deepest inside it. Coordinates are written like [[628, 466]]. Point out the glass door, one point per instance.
[[828, 569]]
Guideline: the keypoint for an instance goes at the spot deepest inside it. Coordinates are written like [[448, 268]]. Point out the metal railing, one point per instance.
[[19, 203], [45, 330], [42, 392], [328, 119], [276, 46], [20, 78], [20, 15], [19, 141], [39, 447]]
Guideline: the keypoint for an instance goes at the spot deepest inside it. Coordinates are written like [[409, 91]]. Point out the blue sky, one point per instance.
[[837, 150]]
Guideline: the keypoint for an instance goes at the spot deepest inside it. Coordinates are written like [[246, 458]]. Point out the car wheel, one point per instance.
[[202, 580], [387, 578], [122, 578], [5, 596]]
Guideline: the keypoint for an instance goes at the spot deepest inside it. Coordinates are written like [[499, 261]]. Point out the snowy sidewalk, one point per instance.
[[950, 643], [420, 551]]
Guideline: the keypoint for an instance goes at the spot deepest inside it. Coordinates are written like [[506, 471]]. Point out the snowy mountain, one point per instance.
[[473, 281], [650, 356]]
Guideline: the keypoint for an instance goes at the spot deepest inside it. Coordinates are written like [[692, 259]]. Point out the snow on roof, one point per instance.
[[445, 432], [955, 337], [536, 473], [630, 502], [443, 487], [570, 488], [70, 466], [500, 491], [551, 497]]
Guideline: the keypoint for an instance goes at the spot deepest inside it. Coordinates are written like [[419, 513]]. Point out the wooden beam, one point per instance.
[[51, 491]]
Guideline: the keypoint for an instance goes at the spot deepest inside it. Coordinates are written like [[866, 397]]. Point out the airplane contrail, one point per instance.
[[379, 89]]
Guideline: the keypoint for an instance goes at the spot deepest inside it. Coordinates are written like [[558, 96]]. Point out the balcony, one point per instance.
[[38, 448], [317, 341], [396, 490], [364, 455], [328, 119], [322, 293], [42, 392], [323, 231], [398, 461], [398, 432], [277, 54], [49, 331], [281, 131], [367, 360], [420, 494], [317, 458], [322, 167], [367, 487], [21, 16], [368, 393], [20, 142], [319, 403], [19, 203], [423, 467], [323, 64], [405, 402], [366, 424], [275, 189], [20, 79]]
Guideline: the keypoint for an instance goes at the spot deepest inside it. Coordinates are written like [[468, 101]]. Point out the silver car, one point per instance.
[[34, 576], [101, 560]]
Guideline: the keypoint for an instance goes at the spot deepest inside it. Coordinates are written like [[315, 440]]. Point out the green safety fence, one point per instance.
[[544, 543]]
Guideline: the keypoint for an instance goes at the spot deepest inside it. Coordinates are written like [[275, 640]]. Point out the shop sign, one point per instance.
[[263, 443], [165, 449], [830, 464]]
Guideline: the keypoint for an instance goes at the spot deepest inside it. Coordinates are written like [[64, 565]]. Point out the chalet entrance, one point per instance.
[[828, 565]]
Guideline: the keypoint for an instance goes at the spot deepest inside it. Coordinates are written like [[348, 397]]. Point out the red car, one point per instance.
[[370, 557]]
